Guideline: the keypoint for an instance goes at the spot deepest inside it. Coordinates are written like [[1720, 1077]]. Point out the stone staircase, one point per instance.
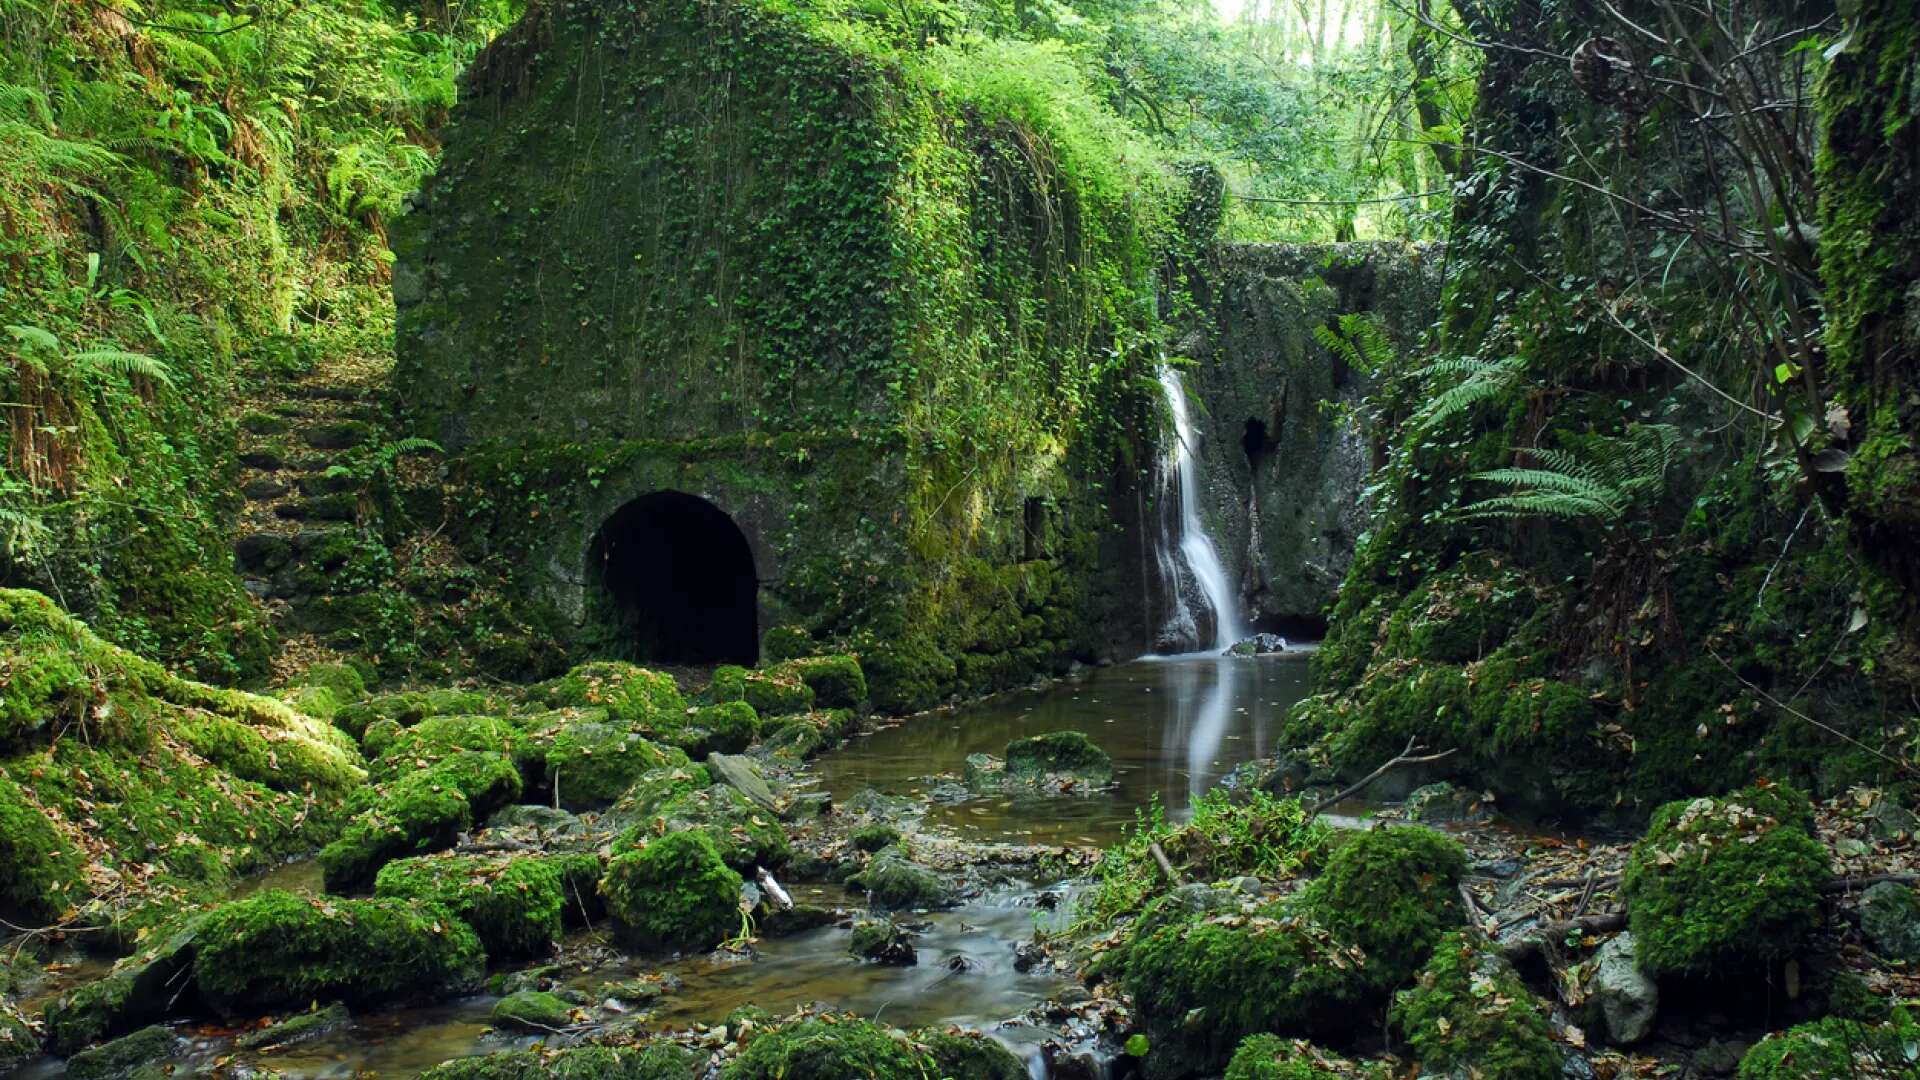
[[299, 530]]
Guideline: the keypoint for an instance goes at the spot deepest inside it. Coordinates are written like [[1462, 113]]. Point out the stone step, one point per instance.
[[337, 435], [343, 506]]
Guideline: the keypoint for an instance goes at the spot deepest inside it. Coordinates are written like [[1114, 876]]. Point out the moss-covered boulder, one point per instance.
[[532, 1010], [660, 1061], [633, 696], [893, 881], [881, 941], [1835, 1047], [421, 812], [1058, 752], [1393, 892], [1725, 885], [299, 1028], [437, 738], [277, 948], [1270, 1057], [970, 1055], [125, 789], [590, 765], [517, 904], [140, 990], [1202, 983], [777, 691], [836, 681], [119, 1058], [830, 1048], [405, 708], [1468, 1010], [674, 892], [745, 834]]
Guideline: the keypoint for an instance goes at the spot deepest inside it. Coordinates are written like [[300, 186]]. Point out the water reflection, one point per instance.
[[1174, 727]]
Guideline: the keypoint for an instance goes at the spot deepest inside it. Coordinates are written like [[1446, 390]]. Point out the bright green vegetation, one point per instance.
[[1835, 1047], [1392, 891], [674, 893], [660, 1061], [515, 904], [836, 681], [894, 882], [592, 764], [1726, 885], [1270, 1057], [1059, 752], [745, 835], [422, 811], [1227, 836], [532, 1010], [831, 1048], [123, 1055], [277, 949], [103, 756], [1469, 1010], [969, 1055], [643, 700]]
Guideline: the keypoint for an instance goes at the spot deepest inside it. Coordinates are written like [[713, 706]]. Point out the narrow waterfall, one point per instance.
[[1180, 487]]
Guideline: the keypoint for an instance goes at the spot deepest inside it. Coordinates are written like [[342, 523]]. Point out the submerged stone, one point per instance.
[[122, 1056], [882, 941], [306, 1027], [892, 881]]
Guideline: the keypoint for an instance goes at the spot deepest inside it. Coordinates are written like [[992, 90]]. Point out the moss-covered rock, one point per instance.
[[300, 1028], [436, 738], [140, 990], [881, 941], [1392, 891], [532, 1010], [745, 834], [123, 1055], [836, 681], [1468, 1010], [970, 1055], [1725, 885], [276, 948], [675, 892], [515, 903], [422, 812], [1835, 1047], [408, 707], [874, 837], [1270, 1057], [726, 727], [893, 881], [830, 1048], [590, 765], [632, 695], [104, 756], [1274, 971], [660, 1061], [1058, 752]]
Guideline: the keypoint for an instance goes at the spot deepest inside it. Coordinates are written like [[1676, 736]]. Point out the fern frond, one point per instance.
[[1605, 480], [122, 363]]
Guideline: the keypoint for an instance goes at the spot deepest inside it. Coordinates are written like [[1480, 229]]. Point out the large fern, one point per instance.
[[1360, 342], [1475, 380], [1604, 480]]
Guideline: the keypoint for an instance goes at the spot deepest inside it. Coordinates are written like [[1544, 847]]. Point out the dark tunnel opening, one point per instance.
[[676, 582]]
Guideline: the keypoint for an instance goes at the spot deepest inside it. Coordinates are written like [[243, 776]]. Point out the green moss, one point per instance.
[[436, 738], [1725, 885], [1393, 891], [969, 1055], [421, 812], [893, 881], [746, 835], [141, 989], [726, 727], [1274, 971], [591, 765], [514, 903], [1059, 752], [276, 948], [644, 700], [836, 681], [777, 693], [676, 892], [409, 707], [785, 643], [874, 837], [830, 1048], [123, 1055], [1468, 1010], [660, 1061], [1270, 1057], [345, 681], [41, 874], [1834, 1047], [532, 1010]]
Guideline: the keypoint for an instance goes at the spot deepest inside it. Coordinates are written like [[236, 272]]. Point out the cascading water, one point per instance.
[[1180, 487]]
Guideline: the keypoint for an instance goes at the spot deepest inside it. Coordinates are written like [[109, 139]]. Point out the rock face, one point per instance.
[[1628, 998], [1890, 917], [1283, 476]]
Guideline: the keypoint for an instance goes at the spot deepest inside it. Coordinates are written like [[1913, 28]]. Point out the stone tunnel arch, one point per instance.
[[672, 580]]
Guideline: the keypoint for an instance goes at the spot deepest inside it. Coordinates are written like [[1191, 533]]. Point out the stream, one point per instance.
[[1173, 726]]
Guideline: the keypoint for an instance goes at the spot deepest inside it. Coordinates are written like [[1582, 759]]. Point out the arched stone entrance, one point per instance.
[[672, 579]]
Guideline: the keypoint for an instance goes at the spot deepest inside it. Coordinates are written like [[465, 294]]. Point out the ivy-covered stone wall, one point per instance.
[[888, 313]]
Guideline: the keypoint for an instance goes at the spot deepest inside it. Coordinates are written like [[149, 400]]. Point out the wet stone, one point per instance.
[[122, 1056], [297, 1029]]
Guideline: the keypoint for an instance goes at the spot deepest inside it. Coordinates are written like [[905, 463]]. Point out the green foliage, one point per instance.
[[1059, 752], [659, 1061], [969, 1055], [592, 764], [830, 1048], [1835, 1047], [1726, 886], [421, 811], [1605, 479], [1470, 1011], [1393, 891], [276, 949], [1229, 835], [514, 904], [674, 893], [1270, 1057]]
